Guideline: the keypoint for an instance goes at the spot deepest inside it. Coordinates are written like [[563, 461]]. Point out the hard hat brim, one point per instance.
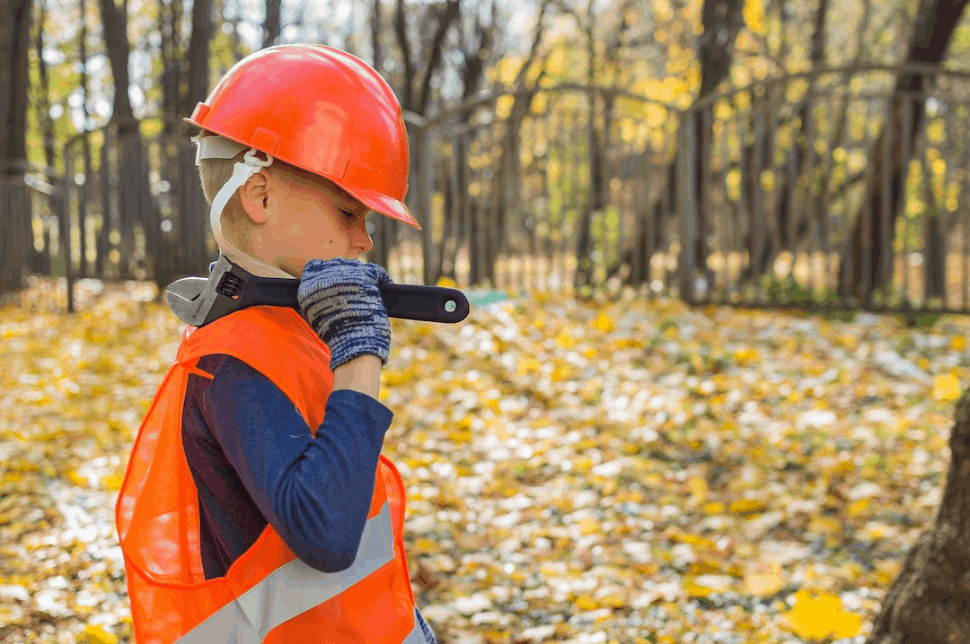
[[383, 204]]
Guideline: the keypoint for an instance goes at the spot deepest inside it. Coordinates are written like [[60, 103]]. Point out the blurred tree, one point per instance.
[[507, 167], [721, 20], [271, 24], [41, 262], [866, 261], [136, 205], [786, 235], [440, 14], [15, 233], [597, 139], [382, 225], [85, 187]]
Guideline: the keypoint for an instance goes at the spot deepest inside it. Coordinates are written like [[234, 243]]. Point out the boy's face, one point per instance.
[[298, 217]]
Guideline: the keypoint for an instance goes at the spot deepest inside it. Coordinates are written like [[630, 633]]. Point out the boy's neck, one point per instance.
[[257, 267]]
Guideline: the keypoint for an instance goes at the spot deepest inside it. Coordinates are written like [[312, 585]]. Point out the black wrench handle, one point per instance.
[[425, 303]]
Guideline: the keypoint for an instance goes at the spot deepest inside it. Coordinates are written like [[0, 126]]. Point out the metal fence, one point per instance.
[[841, 188]]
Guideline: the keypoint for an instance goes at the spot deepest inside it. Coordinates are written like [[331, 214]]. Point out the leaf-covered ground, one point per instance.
[[625, 472]]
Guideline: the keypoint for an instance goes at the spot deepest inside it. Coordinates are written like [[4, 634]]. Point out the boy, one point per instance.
[[257, 506]]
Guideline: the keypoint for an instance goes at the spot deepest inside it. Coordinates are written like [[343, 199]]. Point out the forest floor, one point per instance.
[[635, 471]]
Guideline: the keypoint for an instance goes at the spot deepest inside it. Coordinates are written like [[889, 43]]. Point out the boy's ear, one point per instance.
[[254, 197]]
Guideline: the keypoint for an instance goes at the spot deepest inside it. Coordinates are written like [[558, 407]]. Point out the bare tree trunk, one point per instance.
[[400, 30], [14, 200], [929, 600], [41, 262], [802, 150], [271, 24], [382, 225], [194, 226], [136, 202], [865, 257], [594, 196], [934, 273], [722, 20], [169, 28], [85, 188]]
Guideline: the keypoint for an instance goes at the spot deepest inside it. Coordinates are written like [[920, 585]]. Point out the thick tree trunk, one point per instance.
[[15, 213], [866, 256], [929, 602]]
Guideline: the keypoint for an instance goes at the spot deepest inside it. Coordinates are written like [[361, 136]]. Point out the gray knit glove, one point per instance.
[[341, 301]]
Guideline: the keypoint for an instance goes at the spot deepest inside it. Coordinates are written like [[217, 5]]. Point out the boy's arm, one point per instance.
[[316, 492], [361, 374]]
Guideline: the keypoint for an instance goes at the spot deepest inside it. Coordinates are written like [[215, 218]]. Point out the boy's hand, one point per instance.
[[341, 301]]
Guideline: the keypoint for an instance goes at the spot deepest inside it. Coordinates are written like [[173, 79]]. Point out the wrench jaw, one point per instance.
[[198, 301], [182, 296]]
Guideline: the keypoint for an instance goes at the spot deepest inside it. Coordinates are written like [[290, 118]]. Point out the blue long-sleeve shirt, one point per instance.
[[254, 462]]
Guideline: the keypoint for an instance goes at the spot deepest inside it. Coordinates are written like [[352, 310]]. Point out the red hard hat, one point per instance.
[[322, 110]]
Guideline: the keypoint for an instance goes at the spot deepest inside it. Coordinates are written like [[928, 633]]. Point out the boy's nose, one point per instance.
[[362, 238]]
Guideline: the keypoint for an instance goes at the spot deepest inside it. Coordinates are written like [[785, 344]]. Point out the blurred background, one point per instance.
[[759, 152], [602, 452]]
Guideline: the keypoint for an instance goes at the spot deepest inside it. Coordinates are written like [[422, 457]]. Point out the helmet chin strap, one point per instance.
[[241, 172]]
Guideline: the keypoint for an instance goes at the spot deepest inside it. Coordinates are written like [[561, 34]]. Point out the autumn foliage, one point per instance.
[[587, 472]]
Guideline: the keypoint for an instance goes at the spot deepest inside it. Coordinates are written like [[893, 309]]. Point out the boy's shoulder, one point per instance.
[[251, 333]]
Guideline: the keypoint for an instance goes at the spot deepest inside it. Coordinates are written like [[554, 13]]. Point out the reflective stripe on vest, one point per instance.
[[295, 588]]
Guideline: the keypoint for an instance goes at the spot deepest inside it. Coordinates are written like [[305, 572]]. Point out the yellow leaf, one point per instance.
[[76, 478], [585, 602], [604, 323], [695, 590], [764, 580], [714, 507], [754, 16], [857, 508], [825, 525], [95, 634], [698, 488], [565, 340], [821, 616], [946, 387], [426, 546], [112, 481], [958, 343], [614, 600], [588, 526], [560, 372], [746, 355], [693, 540], [746, 506]]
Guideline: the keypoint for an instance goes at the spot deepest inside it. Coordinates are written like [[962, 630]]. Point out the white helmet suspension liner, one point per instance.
[[217, 147]]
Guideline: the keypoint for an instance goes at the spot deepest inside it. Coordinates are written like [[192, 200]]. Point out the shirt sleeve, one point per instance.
[[315, 492]]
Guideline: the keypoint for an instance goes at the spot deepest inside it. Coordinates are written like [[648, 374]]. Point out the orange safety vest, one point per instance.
[[268, 594]]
